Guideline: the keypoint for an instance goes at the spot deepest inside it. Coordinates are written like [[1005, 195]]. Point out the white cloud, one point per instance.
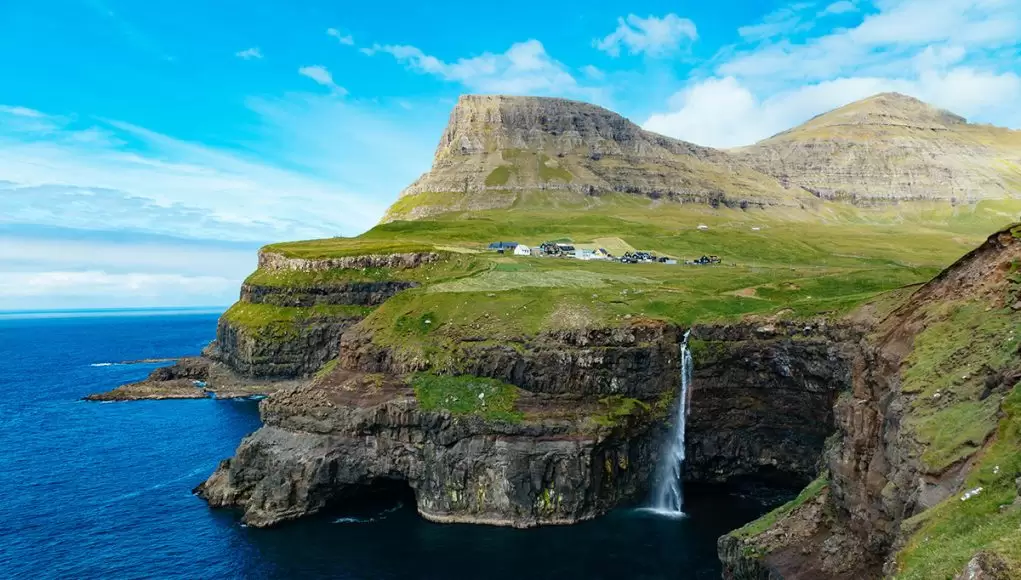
[[784, 20], [840, 7], [935, 50], [55, 177], [525, 68], [593, 72], [20, 112], [341, 38], [249, 53], [882, 39], [322, 76], [102, 288], [652, 36]]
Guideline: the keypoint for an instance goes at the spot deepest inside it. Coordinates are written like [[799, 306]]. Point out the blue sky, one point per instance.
[[147, 149]]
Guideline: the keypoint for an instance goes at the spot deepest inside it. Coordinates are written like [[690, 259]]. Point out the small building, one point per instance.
[[703, 227], [566, 250], [502, 247], [584, 254], [522, 250]]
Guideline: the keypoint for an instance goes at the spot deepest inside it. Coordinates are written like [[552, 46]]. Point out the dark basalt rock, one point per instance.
[[353, 293], [264, 353], [327, 443]]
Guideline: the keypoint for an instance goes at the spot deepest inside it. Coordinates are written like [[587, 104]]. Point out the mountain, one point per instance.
[[892, 147], [497, 151], [496, 147]]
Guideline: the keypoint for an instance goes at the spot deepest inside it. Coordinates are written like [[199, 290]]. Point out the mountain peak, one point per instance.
[[887, 109], [482, 124]]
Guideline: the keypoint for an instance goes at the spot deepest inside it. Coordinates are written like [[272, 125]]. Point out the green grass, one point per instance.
[[281, 321], [499, 176], [490, 399], [617, 410], [756, 527], [553, 173], [943, 538], [946, 373]]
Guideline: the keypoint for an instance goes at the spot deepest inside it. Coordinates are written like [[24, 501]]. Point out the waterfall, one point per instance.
[[667, 498]]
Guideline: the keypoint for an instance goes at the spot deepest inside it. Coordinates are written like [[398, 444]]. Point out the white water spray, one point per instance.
[[667, 498]]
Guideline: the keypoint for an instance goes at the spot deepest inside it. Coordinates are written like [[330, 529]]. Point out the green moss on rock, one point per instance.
[[490, 399]]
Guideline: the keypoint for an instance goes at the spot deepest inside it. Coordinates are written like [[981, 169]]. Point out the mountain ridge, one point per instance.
[[886, 148]]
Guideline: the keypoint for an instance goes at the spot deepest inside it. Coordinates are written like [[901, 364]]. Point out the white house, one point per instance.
[[522, 250]]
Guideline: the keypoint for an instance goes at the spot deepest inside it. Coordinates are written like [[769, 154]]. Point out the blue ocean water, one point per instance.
[[103, 490]]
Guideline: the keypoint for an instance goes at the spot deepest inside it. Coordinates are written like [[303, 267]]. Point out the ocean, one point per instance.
[[103, 490]]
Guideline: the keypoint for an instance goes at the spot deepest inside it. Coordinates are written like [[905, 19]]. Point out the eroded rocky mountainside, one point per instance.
[[922, 479], [496, 148], [892, 147]]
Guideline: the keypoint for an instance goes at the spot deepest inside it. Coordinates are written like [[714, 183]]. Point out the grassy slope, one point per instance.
[[822, 261]]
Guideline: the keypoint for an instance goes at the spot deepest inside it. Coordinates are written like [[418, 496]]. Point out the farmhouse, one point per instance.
[[522, 250]]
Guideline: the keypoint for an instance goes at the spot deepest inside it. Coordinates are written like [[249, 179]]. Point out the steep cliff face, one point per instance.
[[287, 349], [762, 398], [892, 147], [584, 434], [497, 147], [637, 360], [351, 432], [922, 474]]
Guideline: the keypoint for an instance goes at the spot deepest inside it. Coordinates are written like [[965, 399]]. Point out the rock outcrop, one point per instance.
[[891, 147], [351, 432]]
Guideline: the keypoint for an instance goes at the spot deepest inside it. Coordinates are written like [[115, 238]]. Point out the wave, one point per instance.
[[141, 361], [381, 515]]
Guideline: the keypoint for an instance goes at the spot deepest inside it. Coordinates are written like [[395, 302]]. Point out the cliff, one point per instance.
[[921, 474], [892, 147]]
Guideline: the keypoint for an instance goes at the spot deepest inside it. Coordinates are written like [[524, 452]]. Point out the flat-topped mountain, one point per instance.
[[496, 147], [892, 147]]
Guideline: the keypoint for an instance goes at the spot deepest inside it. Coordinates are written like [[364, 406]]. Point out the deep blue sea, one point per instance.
[[103, 490]]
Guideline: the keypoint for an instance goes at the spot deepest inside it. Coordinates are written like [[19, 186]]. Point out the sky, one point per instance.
[[148, 149]]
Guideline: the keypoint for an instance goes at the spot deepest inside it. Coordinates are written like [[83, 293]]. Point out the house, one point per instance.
[[549, 249], [566, 250], [703, 227], [501, 247], [584, 254], [522, 250]]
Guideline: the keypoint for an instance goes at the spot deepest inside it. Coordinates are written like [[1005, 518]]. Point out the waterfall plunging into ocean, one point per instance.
[[667, 498]]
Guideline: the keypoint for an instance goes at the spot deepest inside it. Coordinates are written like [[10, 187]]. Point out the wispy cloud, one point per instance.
[[839, 7], [652, 36], [321, 75], [784, 20], [341, 37], [64, 176], [525, 68], [249, 53], [941, 51]]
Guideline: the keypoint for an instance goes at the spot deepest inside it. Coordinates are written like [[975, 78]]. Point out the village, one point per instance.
[[567, 250]]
